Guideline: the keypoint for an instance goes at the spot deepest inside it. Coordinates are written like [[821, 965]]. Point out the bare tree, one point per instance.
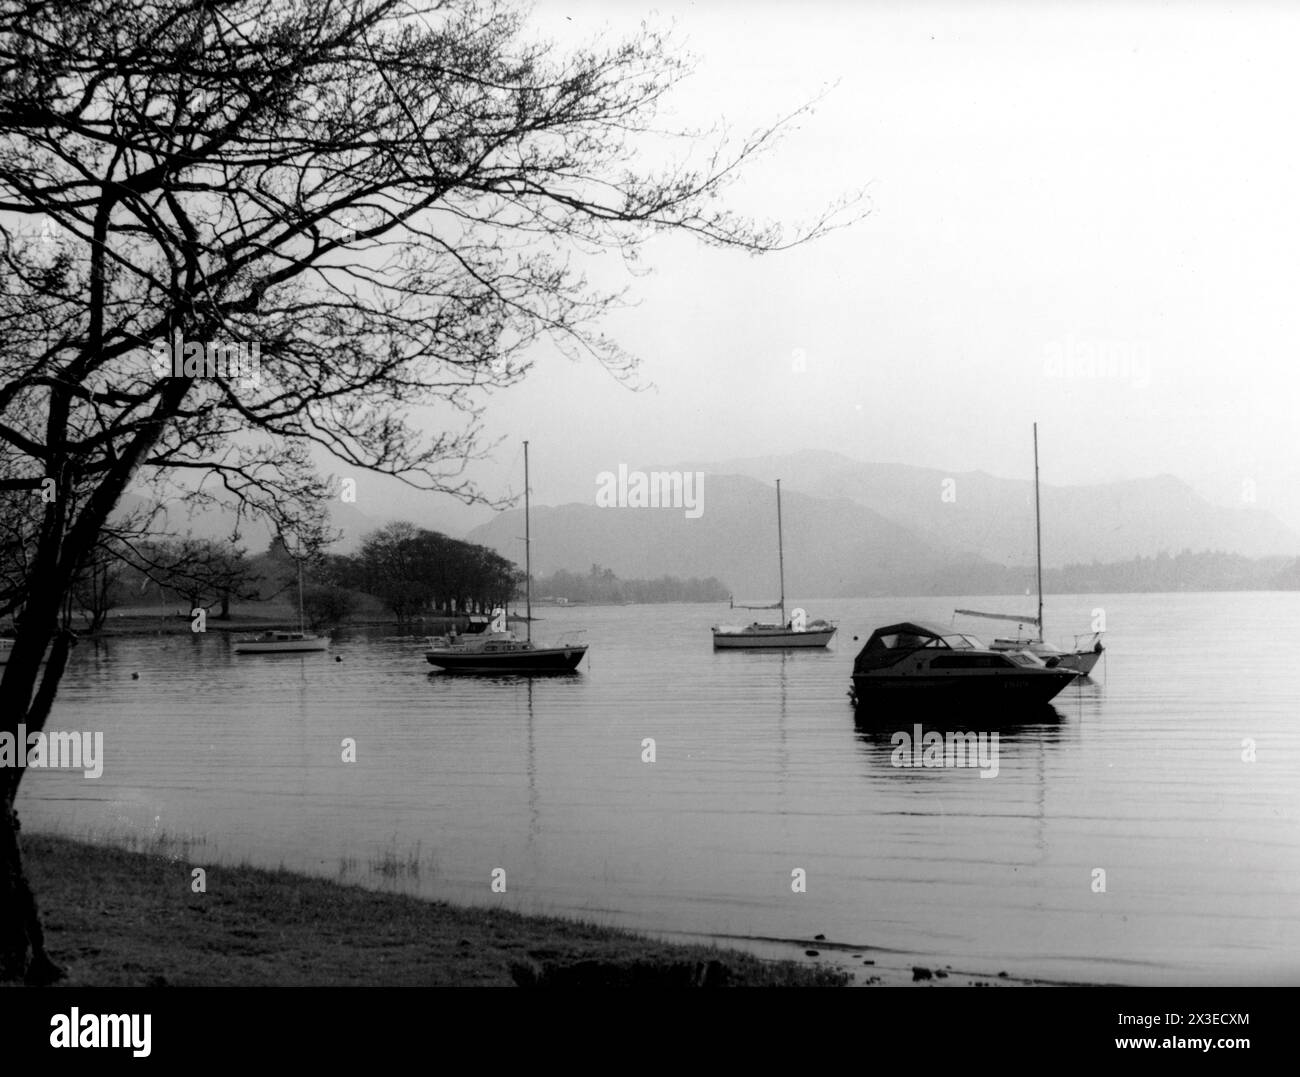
[[202, 571], [250, 231]]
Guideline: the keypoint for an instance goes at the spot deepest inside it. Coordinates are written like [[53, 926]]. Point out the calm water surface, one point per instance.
[[760, 770]]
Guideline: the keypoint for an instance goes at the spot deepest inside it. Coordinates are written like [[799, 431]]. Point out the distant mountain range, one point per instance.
[[994, 518], [854, 528], [832, 547]]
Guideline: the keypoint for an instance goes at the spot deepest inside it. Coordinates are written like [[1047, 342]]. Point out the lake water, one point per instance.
[[760, 771]]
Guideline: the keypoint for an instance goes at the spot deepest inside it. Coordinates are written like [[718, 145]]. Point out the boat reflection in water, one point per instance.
[[943, 727], [901, 733]]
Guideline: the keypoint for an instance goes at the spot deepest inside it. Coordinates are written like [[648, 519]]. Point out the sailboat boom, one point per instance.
[[1000, 616]]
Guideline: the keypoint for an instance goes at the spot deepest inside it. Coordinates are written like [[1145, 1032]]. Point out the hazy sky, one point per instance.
[[1080, 214], [1046, 183]]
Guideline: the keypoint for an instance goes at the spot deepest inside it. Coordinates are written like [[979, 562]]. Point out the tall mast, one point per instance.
[[1038, 536], [780, 548], [528, 555]]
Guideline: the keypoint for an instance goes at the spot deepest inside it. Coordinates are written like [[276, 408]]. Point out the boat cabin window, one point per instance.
[[969, 661], [906, 641]]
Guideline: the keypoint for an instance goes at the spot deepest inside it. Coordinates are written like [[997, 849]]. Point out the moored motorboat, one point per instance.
[[924, 661]]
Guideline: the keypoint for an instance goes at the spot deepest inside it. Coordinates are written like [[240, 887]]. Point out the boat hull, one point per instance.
[[778, 638], [1018, 689], [281, 647], [1081, 662], [536, 660]]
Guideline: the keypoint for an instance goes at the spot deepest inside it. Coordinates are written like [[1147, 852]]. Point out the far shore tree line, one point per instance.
[[600, 586], [408, 573], [1202, 570], [403, 570]]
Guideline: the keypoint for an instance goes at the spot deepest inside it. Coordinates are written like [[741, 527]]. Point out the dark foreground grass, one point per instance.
[[119, 918]]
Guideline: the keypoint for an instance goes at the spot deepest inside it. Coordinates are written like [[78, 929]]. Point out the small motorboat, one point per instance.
[[6, 645], [282, 643], [923, 661]]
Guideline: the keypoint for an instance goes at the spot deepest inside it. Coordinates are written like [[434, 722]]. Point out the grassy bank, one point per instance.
[[118, 918]]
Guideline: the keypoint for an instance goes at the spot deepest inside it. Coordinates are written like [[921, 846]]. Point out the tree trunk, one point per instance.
[[22, 940]]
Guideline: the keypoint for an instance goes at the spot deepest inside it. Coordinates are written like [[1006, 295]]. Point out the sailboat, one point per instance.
[[499, 650], [281, 642], [1081, 660], [796, 632]]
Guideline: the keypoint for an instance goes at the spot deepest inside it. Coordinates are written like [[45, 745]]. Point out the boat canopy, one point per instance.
[[889, 643], [923, 629]]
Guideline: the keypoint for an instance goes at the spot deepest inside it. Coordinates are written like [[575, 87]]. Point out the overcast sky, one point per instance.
[[1047, 184]]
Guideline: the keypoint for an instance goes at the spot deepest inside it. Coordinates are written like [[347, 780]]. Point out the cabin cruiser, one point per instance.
[[929, 662], [501, 652]]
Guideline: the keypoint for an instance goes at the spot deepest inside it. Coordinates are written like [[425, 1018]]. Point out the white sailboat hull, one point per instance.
[[1083, 661], [757, 636], [770, 636], [1079, 661]]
